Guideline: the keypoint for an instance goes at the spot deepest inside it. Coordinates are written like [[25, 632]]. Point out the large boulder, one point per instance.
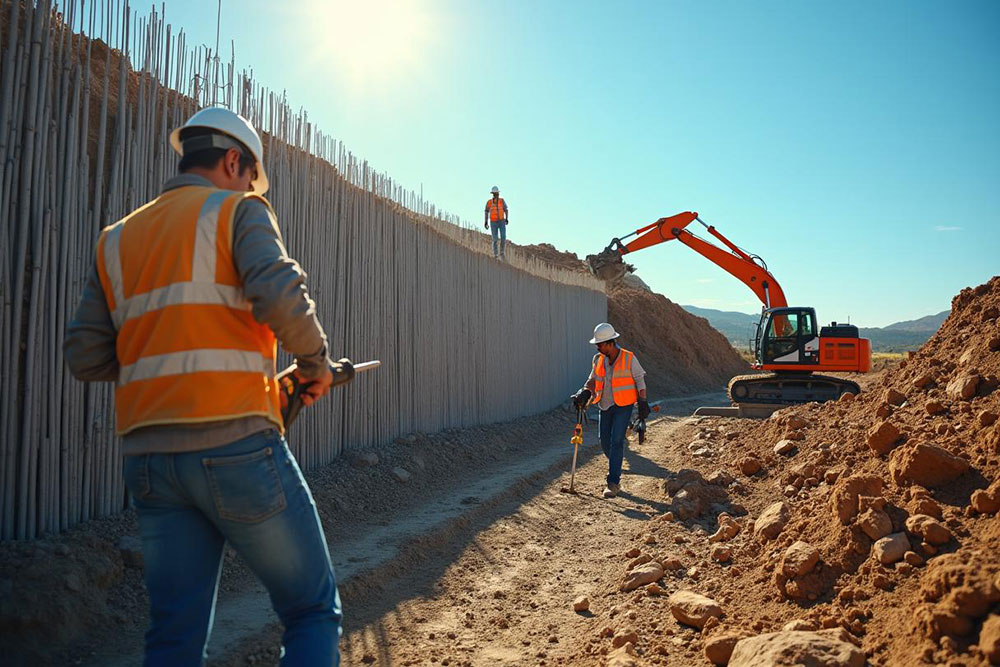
[[926, 465], [823, 648]]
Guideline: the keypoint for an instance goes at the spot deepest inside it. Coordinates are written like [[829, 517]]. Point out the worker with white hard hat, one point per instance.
[[495, 219], [616, 383], [188, 297]]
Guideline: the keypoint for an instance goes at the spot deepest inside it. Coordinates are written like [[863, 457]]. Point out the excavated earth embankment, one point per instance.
[[680, 352], [862, 529]]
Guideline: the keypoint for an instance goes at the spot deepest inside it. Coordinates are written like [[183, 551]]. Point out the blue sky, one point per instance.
[[854, 145]]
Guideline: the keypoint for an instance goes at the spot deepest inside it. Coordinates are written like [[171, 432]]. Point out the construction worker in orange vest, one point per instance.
[[182, 311], [496, 218], [616, 383]]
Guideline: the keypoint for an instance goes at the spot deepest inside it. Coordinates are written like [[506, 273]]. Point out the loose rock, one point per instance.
[[883, 437], [401, 475], [875, 523], [799, 559], [693, 609], [989, 639], [929, 528], [844, 498], [784, 447], [891, 548], [824, 648], [749, 465], [719, 648], [582, 603], [926, 465], [642, 575], [770, 522], [963, 387]]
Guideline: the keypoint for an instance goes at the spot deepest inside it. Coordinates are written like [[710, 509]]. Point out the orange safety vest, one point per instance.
[[188, 346], [496, 209], [623, 388]]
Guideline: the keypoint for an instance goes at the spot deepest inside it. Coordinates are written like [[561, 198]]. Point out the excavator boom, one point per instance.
[[748, 269]]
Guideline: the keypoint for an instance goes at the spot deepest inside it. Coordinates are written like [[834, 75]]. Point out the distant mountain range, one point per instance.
[[739, 328]]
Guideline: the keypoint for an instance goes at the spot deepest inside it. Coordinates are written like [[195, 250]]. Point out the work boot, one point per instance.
[[611, 490]]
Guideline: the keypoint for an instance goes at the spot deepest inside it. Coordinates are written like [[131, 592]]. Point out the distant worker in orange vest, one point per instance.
[[182, 310], [616, 383], [496, 219]]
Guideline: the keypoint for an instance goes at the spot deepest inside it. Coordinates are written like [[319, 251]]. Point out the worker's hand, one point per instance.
[[581, 398], [486, 225], [643, 408], [317, 388]]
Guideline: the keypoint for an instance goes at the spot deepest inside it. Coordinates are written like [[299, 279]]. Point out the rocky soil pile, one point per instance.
[[830, 534], [681, 353]]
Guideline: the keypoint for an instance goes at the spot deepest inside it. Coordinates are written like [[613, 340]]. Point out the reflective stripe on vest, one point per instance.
[[496, 209], [623, 388], [188, 347]]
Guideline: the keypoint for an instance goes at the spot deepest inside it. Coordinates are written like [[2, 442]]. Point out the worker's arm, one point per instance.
[[639, 377], [275, 285], [486, 216], [506, 212], [89, 346]]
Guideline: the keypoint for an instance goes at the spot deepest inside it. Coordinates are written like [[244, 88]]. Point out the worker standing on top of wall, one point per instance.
[[181, 311], [496, 218], [617, 381]]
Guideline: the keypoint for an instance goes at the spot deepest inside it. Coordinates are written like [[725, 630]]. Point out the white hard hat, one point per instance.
[[494, 189], [603, 332], [230, 124]]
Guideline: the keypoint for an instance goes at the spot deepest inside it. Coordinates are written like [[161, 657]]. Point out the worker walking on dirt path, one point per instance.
[[182, 311], [495, 219], [616, 383]]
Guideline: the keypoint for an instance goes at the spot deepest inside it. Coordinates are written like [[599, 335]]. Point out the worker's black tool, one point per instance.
[[288, 383], [638, 425]]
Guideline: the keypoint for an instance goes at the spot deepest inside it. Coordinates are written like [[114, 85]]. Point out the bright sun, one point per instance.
[[368, 39]]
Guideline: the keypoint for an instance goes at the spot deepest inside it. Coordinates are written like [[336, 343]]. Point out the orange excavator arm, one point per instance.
[[749, 269]]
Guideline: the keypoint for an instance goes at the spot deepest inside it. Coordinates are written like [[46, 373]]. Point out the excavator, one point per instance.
[[789, 351]]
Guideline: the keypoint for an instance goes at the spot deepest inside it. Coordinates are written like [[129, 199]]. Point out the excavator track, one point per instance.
[[788, 388]]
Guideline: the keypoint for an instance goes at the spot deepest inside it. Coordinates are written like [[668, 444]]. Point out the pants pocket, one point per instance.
[[135, 469], [247, 487]]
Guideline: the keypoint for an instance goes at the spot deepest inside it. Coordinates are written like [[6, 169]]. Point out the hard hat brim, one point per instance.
[[594, 341]]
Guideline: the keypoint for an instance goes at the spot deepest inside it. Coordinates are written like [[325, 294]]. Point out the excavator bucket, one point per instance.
[[608, 265]]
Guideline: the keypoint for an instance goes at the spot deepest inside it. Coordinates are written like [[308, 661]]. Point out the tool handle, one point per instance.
[[343, 372]]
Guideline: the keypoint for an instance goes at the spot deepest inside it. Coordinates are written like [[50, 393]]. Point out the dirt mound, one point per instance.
[[888, 526], [681, 353]]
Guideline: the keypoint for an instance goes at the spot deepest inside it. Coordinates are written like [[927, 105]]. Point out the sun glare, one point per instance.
[[367, 40]]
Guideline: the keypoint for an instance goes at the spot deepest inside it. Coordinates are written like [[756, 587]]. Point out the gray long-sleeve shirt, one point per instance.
[[273, 283]]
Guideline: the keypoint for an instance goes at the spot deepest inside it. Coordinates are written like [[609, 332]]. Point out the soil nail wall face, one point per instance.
[[83, 141]]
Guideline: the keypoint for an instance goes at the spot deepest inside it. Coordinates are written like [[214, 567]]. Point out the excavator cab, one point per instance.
[[786, 336]]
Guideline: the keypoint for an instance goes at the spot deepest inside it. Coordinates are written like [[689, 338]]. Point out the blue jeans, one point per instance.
[[498, 229], [613, 424], [251, 494]]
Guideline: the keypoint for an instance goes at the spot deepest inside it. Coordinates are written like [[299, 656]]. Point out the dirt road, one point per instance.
[[467, 560], [485, 573]]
